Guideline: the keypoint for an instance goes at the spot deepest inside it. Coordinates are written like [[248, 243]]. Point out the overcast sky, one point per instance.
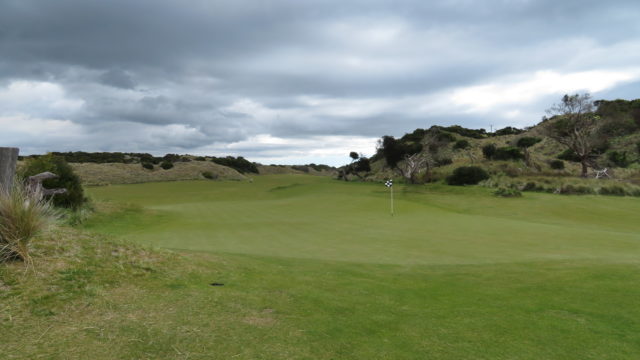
[[297, 81]]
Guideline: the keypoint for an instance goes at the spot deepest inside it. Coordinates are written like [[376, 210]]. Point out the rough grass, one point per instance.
[[116, 173], [317, 269]]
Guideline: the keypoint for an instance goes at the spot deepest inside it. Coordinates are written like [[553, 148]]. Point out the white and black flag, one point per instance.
[[389, 183]]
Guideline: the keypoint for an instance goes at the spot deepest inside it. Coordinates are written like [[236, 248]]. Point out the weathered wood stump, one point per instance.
[[8, 161]]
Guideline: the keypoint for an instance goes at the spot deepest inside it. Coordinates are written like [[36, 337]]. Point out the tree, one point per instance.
[[575, 125], [525, 143], [432, 144]]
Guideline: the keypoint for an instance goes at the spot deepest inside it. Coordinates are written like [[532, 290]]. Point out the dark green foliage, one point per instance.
[[209, 175], [239, 163], [568, 155], [623, 116], [638, 148], [362, 165], [527, 141], [508, 153], [467, 175], [614, 190], [461, 144], [320, 167], [147, 165], [394, 150], [166, 165], [457, 129], [443, 161], [533, 186], [354, 155], [507, 192], [507, 131], [576, 190], [172, 158], [557, 164], [445, 137], [302, 168], [201, 158], [619, 158], [67, 179], [488, 151]]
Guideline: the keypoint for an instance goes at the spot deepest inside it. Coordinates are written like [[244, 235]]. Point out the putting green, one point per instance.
[[320, 218]]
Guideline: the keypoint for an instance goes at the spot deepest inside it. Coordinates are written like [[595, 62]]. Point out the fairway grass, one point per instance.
[[314, 268]]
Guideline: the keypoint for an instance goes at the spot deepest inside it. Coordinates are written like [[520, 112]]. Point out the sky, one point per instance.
[[296, 82]]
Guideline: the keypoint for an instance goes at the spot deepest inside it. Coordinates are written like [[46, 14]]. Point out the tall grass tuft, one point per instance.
[[23, 214]]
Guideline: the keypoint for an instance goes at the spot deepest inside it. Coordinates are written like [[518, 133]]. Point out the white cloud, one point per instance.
[[525, 89]]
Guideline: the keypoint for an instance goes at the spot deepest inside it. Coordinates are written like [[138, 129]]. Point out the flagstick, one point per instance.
[[391, 200]]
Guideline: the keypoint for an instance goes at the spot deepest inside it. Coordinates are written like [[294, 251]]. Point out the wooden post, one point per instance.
[[8, 160]]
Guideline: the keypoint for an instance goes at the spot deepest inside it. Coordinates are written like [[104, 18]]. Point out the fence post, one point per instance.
[[8, 160]]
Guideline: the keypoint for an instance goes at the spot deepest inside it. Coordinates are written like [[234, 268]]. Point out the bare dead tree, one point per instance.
[[427, 159], [576, 126]]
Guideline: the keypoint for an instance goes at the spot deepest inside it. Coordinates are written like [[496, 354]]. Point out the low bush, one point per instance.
[[507, 192], [147, 165], [461, 145], [240, 164], [571, 189], [614, 190], [488, 151], [508, 153], [67, 179], [557, 164], [467, 175], [166, 165], [23, 214], [209, 175], [619, 158]]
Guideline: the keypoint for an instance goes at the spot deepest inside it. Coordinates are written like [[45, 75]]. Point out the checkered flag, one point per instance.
[[389, 183]]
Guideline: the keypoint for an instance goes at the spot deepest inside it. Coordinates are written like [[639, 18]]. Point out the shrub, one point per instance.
[[612, 190], [568, 155], [67, 179], [166, 165], [507, 192], [488, 151], [508, 153], [467, 175], [209, 175], [619, 158], [201, 158], [443, 161], [576, 190], [638, 147], [23, 214], [240, 164], [527, 141], [532, 186], [557, 164], [147, 165], [461, 144]]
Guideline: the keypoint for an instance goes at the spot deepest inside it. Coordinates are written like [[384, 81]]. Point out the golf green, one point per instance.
[[320, 218]]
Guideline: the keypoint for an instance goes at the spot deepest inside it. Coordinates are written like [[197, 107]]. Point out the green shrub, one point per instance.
[[443, 161], [461, 144], [527, 141], [508, 153], [166, 165], [240, 164], [201, 158], [147, 165], [488, 151], [576, 190], [23, 215], [467, 175], [557, 164], [67, 179], [507, 192], [209, 175], [533, 186], [568, 155], [619, 158], [614, 190]]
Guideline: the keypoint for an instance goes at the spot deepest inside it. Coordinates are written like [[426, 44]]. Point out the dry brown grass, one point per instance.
[[116, 173]]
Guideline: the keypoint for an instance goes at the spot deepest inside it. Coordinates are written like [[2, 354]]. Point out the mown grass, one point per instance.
[[317, 269]]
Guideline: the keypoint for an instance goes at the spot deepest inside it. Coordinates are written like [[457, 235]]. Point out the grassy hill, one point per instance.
[[119, 173], [458, 146]]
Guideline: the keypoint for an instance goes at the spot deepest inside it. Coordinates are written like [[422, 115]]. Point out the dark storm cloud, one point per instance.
[[198, 74]]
